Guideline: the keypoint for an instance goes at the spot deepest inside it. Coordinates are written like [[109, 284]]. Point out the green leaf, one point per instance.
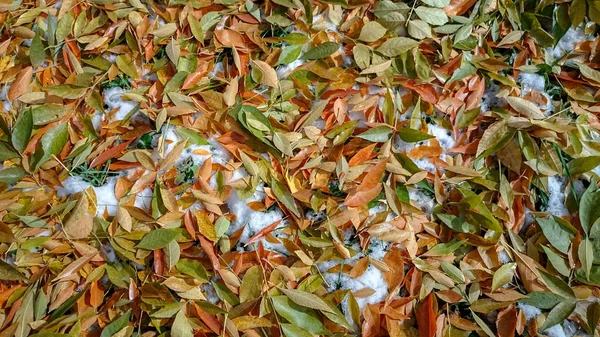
[[557, 285], [126, 65], [442, 249], [494, 138], [48, 113], [285, 197], [67, 91], [377, 134], [290, 330], [586, 255], [306, 299], [33, 221], [37, 55], [558, 314], [456, 223], [465, 118], [192, 136], [581, 165], [321, 51], [593, 315], [55, 139], [558, 236], [589, 211], [168, 310], [372, 31], [63, 308], [437, 3], [433, 16], [282, 143], [295, 38], [181, 326], [302, 317], [11, 175], [397, 45], [9, 273], [289, 54], [158, 238], [193, 268], [413, 136], [557, 261], [6, 152], [172, 253], [21, 133], [225, 294], [503, 275], [542, 299], [419, 29], [116, 325], [483, 326]]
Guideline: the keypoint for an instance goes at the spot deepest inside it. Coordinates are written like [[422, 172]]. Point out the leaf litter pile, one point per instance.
[[299, 168]]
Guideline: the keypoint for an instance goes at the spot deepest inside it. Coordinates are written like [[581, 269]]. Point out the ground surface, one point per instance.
[[299, 168]]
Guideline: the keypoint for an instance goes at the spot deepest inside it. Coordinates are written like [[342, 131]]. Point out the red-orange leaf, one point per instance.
[[109, 154], [426, 317]]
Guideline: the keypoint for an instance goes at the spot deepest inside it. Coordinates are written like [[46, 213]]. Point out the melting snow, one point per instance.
[[567, 43], [556, 196], [113, 99]]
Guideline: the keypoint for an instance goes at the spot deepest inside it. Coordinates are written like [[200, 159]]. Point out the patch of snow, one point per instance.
[[372, 278], [110, 57], [254, 221], [112, 98], [503, 257], [198, 153], [6, 104], [286, 69], [97, 120], [321, 21], [531, 81], [320, 124], [105, 194], [443, 136], [217, 68], [567, 43], [210, 293], [143, 199], [315, 216], [109, 252], [555, 331], [490, 98], [529, 310], [425, 202], [556, 196], [360, 117]]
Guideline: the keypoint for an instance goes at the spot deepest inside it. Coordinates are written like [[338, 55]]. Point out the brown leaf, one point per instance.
[[21, 84]]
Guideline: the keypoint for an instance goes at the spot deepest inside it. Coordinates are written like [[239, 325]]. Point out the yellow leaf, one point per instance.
[[205, 226], [269, 77]]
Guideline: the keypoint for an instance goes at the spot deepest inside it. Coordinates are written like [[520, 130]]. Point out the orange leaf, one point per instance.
[[208, 248], [21, 84], [360, 198], [458, 7], [373, 177], [371, 325], [109, 154], [426, 317], [263, 232], [362, 155], [506, 322]]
